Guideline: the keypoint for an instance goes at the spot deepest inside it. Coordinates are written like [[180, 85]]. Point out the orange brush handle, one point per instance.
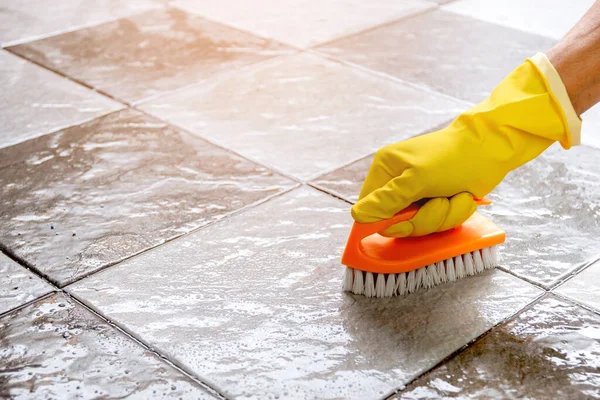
[[368, 251], [364, 230]]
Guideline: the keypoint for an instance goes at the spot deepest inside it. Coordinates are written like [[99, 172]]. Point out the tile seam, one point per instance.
[[137, 341], [464, 347], [18, 42], [196, 229]]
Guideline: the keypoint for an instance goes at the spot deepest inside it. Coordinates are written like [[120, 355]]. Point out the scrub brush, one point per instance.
[[378, 266]]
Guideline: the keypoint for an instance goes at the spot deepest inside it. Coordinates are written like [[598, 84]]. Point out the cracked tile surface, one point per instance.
[[148, 54], [551, 228], [18, 285], [543, 17], [83, 198], [54, 348], [551, 350], [304, 23], [448, 52], [29, 19], [255, 306], [35, 101], [286, 113]]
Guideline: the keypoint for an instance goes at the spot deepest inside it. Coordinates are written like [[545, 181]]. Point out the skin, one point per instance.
[[576, 58]]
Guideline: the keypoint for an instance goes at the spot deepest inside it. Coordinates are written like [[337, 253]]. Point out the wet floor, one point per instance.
[[175, 185]]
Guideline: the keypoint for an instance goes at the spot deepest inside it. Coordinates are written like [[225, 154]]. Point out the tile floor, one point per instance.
[[175, 185]]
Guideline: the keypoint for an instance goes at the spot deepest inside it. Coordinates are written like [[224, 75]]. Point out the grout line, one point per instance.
[[575, 302], [293, 51], [419, 86], [564, 278], [27, 265], [74, 28], [525, 279], [222, 146], [162, 358], [330, 192], [193, 230], [234, 70], [27, 304], [347, 164], [434, 6], [511, 317], [237, 28], [62, 128], [68, 77], [322, 174], [140, 342], [335, 195]]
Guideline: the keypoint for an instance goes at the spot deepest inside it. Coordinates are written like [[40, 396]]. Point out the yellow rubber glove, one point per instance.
[[526, 113]]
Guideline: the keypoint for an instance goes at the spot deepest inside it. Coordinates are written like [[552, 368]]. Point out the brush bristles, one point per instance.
[[388, 285]]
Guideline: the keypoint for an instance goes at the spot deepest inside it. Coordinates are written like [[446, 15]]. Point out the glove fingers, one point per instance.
[[386, 166], [437, 215], [397, 194], [462, 206], [400, 230], [377, 177], [427, 220]]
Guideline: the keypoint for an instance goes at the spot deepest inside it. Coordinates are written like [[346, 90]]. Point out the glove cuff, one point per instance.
[[559, 93]]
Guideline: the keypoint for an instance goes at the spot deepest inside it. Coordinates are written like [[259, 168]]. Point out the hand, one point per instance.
[[523, 116]]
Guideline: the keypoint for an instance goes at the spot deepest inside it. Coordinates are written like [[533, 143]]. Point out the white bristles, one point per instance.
[[469, 267], [389, 285], [496, 258], [490, 257], [411, 283], [358, 286], [459, 267], [401, 284], [419, 278], [486, 255], [348, 279], [369, 285], [380, 285], [441, 272], [477, 261], [450, 271], [431, 277]]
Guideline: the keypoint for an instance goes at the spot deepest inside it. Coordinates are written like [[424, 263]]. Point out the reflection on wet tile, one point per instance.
[[35, 101], [551, 18], [590, 131], [550, 351], [550, 209], [80, 199], [446, 51], [55, 348], [584, 286], [147, 54], [346, 182], [18, 285], [302, 114], [304, 23], [255, 306], [28, 19]]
